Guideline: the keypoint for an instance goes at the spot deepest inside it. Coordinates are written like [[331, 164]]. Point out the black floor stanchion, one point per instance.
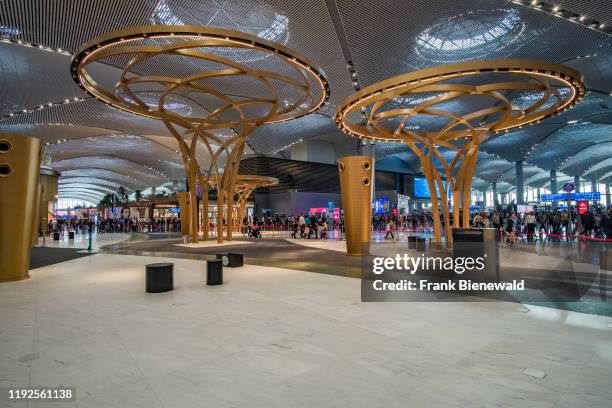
[[56, 236], [71, 235], [160, 277], [420, 244], [214, 272], [412, 242]]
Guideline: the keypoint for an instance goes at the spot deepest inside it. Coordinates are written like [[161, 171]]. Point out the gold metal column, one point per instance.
[[356, 177], [19, 164], [185, 212], [244, 186], [47, 194]]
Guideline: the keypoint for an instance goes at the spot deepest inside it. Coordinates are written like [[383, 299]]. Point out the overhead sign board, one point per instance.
[[592, 196]]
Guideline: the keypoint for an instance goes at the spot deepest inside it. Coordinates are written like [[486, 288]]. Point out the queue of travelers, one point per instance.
[[533, 225], [125, 225], [556, 224]]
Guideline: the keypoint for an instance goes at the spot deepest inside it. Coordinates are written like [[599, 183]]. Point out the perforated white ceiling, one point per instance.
[[379, 38]]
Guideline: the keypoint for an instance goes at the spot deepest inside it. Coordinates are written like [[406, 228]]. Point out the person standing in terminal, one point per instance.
[[485, 220], [530, 222], [511, 227], [496, 220], [389, 230], [606, 223], [588, 223], [478, 221]]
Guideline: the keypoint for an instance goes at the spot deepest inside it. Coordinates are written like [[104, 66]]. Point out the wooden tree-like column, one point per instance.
[[211, 87], [245, 186], [456, 108]]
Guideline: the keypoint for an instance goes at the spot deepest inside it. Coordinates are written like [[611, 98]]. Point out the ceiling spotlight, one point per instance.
[[556, 9], [582, 18]]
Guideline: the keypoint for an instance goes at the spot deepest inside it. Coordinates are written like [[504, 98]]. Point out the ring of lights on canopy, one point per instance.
[[196, 37], [373, 113], [375, 96], [310, 91]]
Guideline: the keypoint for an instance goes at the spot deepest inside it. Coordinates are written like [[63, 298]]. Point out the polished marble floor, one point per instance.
[[81, 241], [272, 337]]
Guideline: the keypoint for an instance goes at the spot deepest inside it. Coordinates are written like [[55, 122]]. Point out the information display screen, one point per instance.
[[596, 195], [421, 189], [381, 206]]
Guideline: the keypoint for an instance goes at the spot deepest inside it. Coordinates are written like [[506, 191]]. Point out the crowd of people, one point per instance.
[[530, 226], [555, 224], [113, 225], [307, 226]]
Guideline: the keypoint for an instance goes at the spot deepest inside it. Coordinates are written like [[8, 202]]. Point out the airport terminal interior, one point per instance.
[[305, 203]]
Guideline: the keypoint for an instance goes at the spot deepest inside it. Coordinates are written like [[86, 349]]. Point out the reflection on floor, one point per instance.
[[268, 251], [283, 338], [65, 249], [554, 282], [81, 241], [214, 244]]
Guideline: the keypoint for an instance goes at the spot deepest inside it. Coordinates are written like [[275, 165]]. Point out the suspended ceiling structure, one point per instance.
[[99, 148]]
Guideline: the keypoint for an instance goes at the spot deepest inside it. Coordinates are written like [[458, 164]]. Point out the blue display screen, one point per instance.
[[381, 206], [596, 195], [421, 190]]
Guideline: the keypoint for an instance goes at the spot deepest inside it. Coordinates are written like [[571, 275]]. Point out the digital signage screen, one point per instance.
[[421, 189]]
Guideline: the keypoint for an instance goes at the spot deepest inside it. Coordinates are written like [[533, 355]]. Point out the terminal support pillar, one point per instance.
[[495, 199], [577, 183], [47, 194], [184, 208], [553, 186], [594, 185], [19, 166], [608, 195], [520, 183]]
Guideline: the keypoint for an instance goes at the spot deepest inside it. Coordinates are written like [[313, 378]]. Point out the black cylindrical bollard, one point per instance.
[[214, 272], [160, 277]]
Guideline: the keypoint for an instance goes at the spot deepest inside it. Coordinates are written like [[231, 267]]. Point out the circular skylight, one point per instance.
[[470, 35]]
